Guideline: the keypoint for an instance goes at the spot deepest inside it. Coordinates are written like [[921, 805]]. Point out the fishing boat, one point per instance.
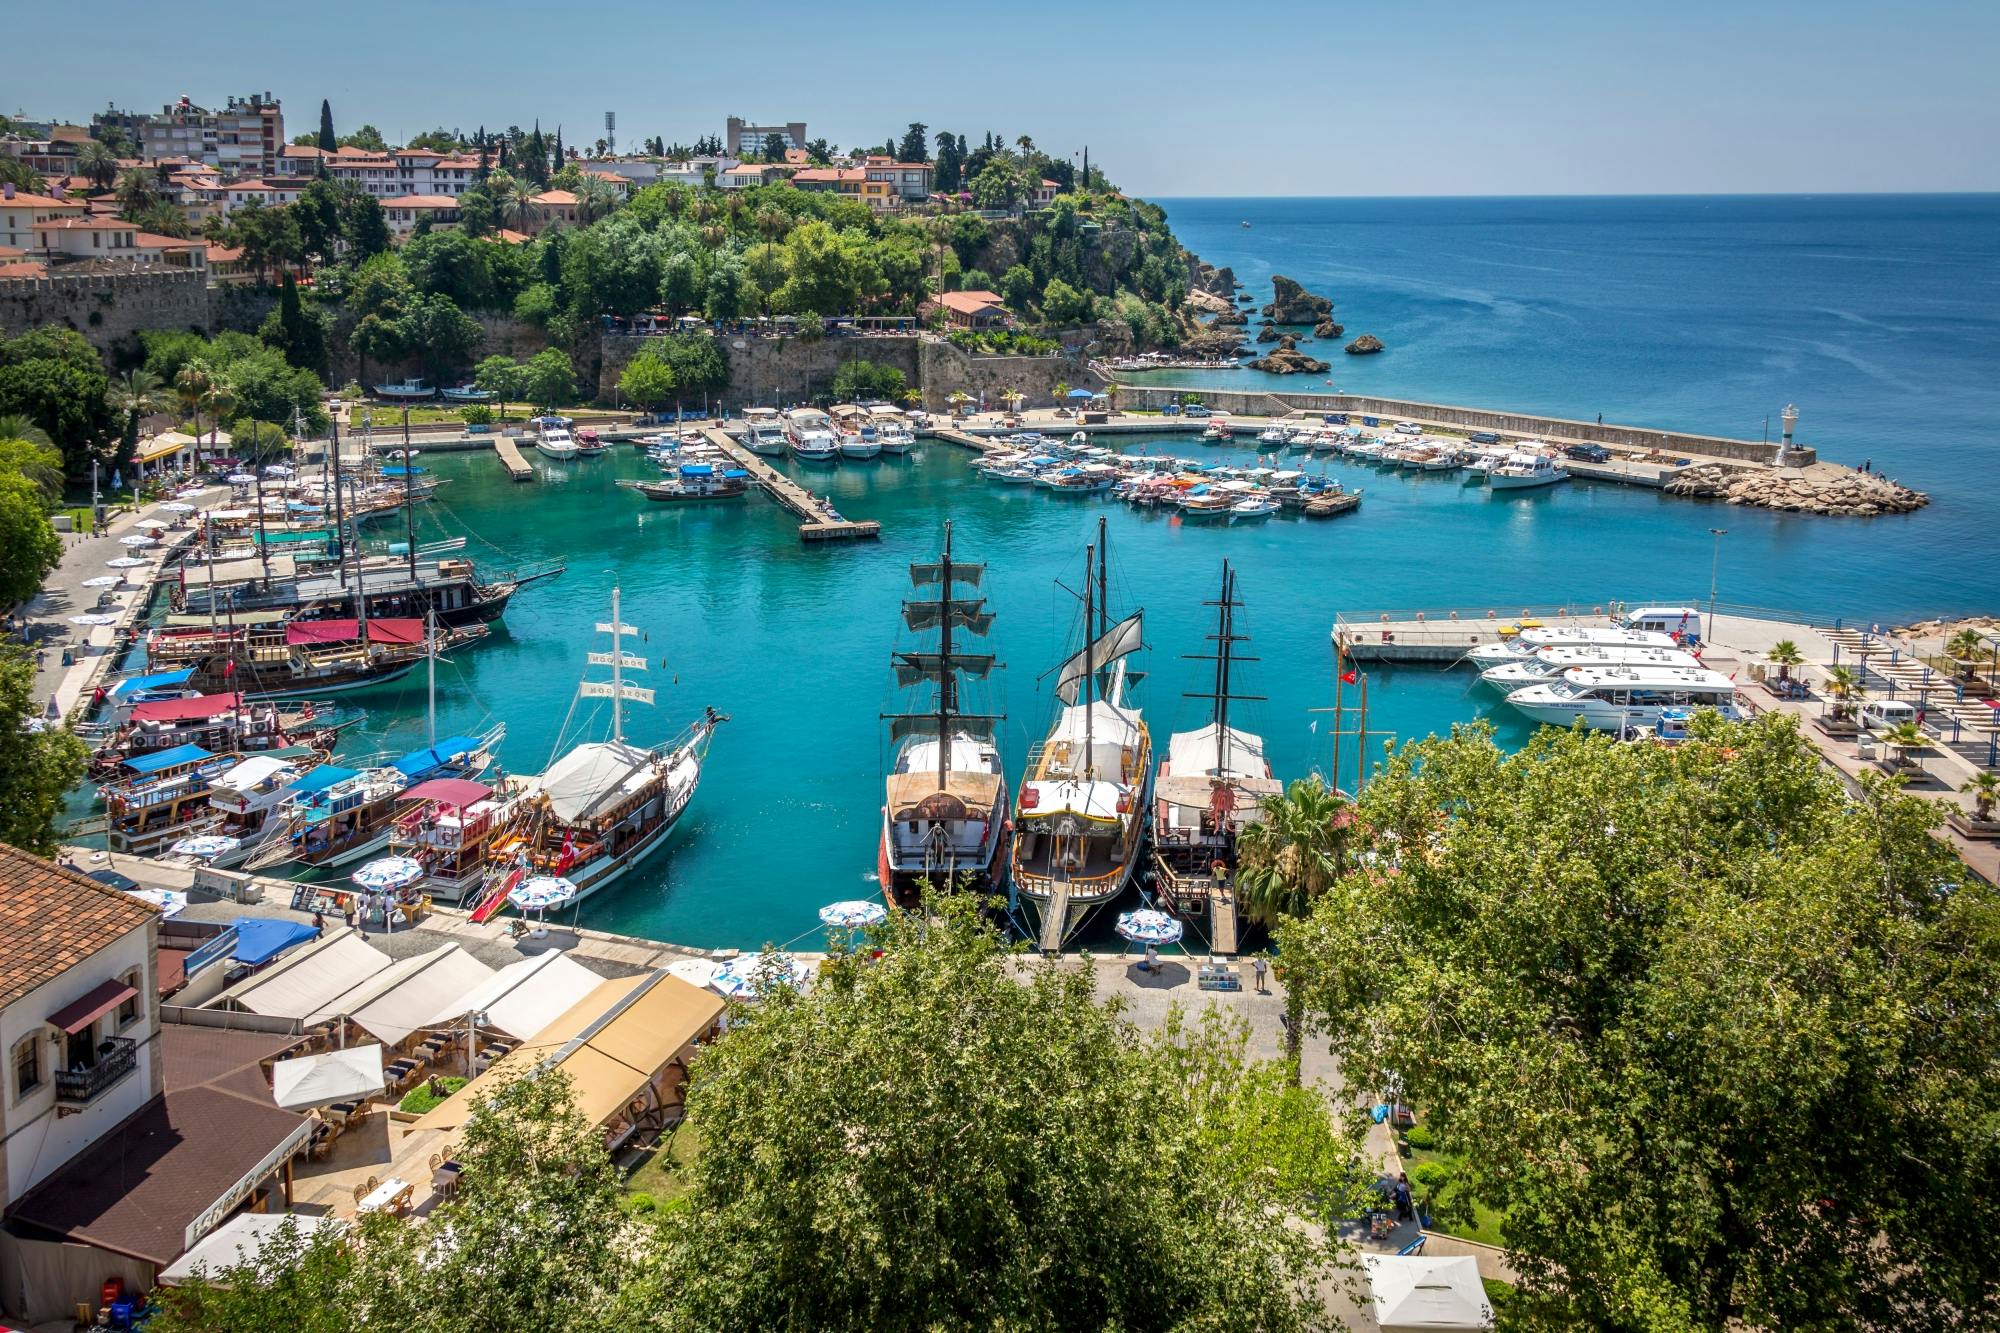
[[1210, 786], [944, 821], [1256, 506], [861, 443], [695, 481], [1205, 501], [1275, 434], [468, 393], [1081, 813], [406, 391], [1617, 698], [553, 439], [603, 806], [892, 428], [1217, 431], [246, 797], [1523, 472], [589, 444]]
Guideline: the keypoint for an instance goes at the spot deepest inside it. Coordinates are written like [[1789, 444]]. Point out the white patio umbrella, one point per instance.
[[178, 507], [389, 873], [1147, 926], [694, 971], [137, 539], [853, 913], [242, 479], [277, 469], [753, 977], [152, 524], [103, 581], [93, 618], [333, 1076], [538, 893], [127, 562], [205, 846]]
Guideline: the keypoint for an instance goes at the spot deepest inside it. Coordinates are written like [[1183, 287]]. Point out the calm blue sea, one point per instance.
[[1876, 316]]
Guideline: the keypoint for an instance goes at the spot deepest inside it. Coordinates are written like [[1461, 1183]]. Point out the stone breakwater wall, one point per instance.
[[1257, 402], [1832, 491], [108, 309]]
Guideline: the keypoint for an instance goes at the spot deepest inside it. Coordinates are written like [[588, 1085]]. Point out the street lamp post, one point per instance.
[[1714, 569]]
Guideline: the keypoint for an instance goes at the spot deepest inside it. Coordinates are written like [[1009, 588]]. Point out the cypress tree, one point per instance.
[[327, 143], [485, 157], [559, 149]]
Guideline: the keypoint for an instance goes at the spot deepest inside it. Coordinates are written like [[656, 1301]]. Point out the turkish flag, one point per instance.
[[229, 668], [1348, 677]]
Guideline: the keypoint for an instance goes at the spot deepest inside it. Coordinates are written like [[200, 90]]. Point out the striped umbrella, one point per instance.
[[753, 977], [1147, 926], [389, 872], [854, 913]]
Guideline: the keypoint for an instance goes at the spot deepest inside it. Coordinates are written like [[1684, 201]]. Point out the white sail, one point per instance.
[[1121, 639]]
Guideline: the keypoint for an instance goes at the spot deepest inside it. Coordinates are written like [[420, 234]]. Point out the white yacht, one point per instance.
[[1525, 471], [763, 433], [815, 446], [250, 793], [1530, 641], [1619, 698], [1550, 663], [553, 439], [860, 444]]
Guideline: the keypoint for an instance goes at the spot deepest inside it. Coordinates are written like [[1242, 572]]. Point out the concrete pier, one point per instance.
[[510, 459], [814, 525]]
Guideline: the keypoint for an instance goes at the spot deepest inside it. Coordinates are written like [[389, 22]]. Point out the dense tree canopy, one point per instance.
[[36, 768], [54, 378], [1716, 1037]]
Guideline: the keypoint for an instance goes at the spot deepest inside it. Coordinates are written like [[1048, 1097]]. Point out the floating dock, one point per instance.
[[814, 525], [1440, 638], [510, 459], [963, 439]]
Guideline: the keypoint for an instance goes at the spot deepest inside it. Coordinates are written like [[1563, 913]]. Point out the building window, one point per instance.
[[128, 1012], [27, 1065]]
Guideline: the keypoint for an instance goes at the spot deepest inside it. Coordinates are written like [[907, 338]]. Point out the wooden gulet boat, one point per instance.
[[1080, 816], [944, 820]]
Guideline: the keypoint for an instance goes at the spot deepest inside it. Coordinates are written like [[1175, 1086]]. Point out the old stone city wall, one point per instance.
[[110, 310]]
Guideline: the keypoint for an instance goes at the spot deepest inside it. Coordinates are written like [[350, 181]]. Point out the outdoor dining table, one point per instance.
[[393, 1194], [339, 1111]]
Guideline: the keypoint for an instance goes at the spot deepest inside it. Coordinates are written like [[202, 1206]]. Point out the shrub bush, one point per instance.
[[477, 414], [1420, 1138]]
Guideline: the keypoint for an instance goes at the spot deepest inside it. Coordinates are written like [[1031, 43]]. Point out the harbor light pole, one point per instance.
[[1714, 569]]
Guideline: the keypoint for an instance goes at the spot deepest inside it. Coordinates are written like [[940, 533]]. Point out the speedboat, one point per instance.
[[553, 439], [1274, 435], [1530, 641], [1616, 698], [589, 444], [1257, 506], [1550, 663], [862, 444]]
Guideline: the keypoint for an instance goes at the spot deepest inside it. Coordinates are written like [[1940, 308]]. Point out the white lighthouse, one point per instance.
[[1790, 418]]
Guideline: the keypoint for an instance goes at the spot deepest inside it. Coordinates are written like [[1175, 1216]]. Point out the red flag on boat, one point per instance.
[[1348, 677], [229, 668], [568, 856]]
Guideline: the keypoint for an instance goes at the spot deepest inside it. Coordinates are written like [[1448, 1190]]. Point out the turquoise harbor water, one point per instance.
[[1875, 316]]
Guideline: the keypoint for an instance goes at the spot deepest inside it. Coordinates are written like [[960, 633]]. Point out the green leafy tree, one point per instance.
[[367, 138], [363, 224], [317, 215], [478, 212], [1064, 305], [36, 768], [999, 184], [861, 379], [723, 300], [443, 336], [55, 379], [1715, 1035], [451, 264], [378, 339], [648, 381], [820, 152], [300, 334], [699, 364], [500, 376], [548, 380], [258, 441], [1017, 288], [1007, 1140], [132, 397], [914, 147], [29, 547], [33, 460]]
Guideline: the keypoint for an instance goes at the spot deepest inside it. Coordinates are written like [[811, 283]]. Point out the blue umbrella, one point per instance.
[[1147, 926], [1081, 393]]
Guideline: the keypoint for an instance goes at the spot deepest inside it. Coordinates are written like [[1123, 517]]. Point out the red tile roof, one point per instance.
[[553, 197], [24, 269], [223, 254], [147, 240], [22, 199], [53, 918], [84, 224], [421, 201]]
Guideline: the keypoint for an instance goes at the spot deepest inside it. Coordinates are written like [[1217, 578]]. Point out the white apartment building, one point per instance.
[[739, 136], [404, 172], [20, 211], [243, 139]]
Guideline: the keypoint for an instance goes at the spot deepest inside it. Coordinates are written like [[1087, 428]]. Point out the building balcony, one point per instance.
[[82, 1087]]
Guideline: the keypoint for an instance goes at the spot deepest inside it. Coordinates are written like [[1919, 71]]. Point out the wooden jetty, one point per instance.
[[814, 525], [979, 444], [510, 458]]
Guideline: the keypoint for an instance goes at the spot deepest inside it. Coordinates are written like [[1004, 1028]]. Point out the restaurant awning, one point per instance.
[[523, 998], [310, 979], [401, 998], [332, 1076], [242, 1240], [100, 1000]]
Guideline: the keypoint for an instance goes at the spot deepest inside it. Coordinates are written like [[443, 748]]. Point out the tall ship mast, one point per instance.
[[603, 806], [944, 820], [1211, 786], [1081, 813]]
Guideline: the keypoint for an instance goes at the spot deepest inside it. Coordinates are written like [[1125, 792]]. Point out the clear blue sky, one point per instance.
[[1173, 97]]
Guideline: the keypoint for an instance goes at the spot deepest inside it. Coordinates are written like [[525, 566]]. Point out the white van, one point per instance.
[[1680, 621], [1882, 714]]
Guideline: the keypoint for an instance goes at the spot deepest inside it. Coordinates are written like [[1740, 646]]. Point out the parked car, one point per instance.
[[1482, 437], [1194, 410], [1880, 715], [1171, 410], [1589, 453], [114, 880]]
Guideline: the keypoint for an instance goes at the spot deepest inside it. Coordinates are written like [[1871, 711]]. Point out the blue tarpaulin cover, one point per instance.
[[155, 760], [421, 763], [320, 779], [159, 680], [259, 939]]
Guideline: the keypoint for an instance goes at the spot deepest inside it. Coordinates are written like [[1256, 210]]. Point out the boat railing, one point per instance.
[[1044, 886]]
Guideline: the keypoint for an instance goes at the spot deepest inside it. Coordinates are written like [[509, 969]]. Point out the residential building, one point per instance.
[[15, 263], [739, 136], [69, 240], [51, 157], [908, 182], [130, 124], [270, 192], [402, 213], [242, 139], [406, 171], [20, 211], [974, 310], [746, 174], [622, 184], [635, 171], [1044, 193]]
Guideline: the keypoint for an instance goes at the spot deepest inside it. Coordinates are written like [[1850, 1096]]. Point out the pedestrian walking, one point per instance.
[[1405, 1207], [1258, 965]]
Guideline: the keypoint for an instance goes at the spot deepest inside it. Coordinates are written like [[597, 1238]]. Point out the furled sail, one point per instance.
[[965, 614], [1122, 638], [923, 575], [914, 667], [904, 725]]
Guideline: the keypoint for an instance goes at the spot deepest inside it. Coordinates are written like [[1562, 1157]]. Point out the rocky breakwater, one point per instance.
[[1823, 488], [1287, 359]]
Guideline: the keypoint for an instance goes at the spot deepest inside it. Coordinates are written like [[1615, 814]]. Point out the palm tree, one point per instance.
[[958, 398], [1012, 398], [191, 387], [135, 395], [219, 399], [771, 224], [99, 163], [1025, 144], [1785, 655], [1984, 788], [14, 426], [1290, 857], [594, 199], [1111, 396], [48, 476], [1903, 738], [912, 397], [137, 191], [1965, 647], [1845, 687]]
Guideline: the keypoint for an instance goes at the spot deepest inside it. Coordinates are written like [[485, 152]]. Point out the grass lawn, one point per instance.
[[661, 1172], [420, 1098], [1481, 1224]]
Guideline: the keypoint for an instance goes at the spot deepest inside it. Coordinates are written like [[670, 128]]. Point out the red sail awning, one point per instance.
[[457, 792], [80, 1014], [187, 710], [347, 631]]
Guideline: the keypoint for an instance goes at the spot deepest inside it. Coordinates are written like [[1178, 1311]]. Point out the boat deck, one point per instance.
[[814, 525]]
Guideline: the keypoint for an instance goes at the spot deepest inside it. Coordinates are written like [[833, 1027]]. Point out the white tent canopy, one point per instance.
[[402, 997], [1415, 1294], [309, 979], [593, 778], [335, 1076], [1199, 752], [523, 998], [238, 1241]]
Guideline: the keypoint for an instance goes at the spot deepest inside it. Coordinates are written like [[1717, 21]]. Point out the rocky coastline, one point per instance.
[[1824, 488]]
